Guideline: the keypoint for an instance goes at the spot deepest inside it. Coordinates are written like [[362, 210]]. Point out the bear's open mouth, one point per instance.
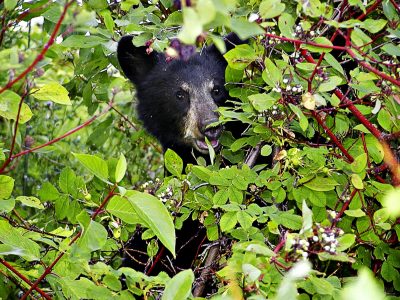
[[201, 145]]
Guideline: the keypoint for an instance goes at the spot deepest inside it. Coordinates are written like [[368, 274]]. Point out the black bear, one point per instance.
[[178, 99]]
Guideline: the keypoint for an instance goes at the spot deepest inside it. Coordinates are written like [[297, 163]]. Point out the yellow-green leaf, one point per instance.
[[53, 92]]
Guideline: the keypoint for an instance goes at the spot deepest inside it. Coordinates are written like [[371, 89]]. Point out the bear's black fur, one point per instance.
[[178, 99], [177, 102]]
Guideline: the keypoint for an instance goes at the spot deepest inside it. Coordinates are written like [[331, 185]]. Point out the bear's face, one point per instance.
[[177, 100]]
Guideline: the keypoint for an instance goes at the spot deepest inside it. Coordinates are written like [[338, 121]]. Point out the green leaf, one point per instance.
[[266, 150], [321, 41], [53, 92], [22, 246], [359, 164], [245, 29], [96, 165], [356, 213], [7, 205], [291, 221], [346, 241], [6, 186], [357, 181], [321, 184], [330, 59], [228, 221], [321, 285], [272, 75], [151, 210], [120, 169], [98, 4], [330, 84], [94, 235], [384, 120], [240, 57], [373, 26], [271, 8], [363, 287], [30, 201], [206, 11], [202, 172], [121, 208], [391, 49], [307, 218], [9, 102], [244, 219], [262, 102], [173, 162], [48, 192], [220, 197], [83, 41], [302, 118], [10, 4], [179, 287], [286, 23], [192, 26]]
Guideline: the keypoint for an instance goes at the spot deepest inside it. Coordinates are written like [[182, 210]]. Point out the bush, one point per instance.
[[295, 207]]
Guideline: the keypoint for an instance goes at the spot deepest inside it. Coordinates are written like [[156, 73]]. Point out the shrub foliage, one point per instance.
[[303, 201]]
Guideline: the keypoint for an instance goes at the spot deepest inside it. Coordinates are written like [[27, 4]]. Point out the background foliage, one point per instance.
[[318, 88]]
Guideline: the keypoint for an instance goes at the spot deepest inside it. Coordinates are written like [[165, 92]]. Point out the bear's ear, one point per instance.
[[134, 61]]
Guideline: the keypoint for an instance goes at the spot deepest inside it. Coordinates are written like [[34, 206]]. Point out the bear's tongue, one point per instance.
[[202, 144]]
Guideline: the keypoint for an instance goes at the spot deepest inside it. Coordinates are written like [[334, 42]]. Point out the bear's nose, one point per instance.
[[213, 133]]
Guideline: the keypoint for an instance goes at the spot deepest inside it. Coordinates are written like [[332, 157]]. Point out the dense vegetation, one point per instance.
[[304, 204]]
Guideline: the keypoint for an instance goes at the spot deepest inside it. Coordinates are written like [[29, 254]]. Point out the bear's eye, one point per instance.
[[216, 90], [180, 95]]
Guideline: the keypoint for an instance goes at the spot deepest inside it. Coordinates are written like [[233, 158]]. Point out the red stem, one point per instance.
[[51, 266], [344, 207], [396, 6], [43, 52], [56, 139], [16, 272]]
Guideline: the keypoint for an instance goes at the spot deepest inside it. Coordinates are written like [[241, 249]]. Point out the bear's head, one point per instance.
[[178, 99]]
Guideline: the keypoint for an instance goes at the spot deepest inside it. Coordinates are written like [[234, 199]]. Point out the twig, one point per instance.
[[212, 257]]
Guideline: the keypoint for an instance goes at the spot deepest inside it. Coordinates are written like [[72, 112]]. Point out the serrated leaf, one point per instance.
[[120, 169], [96, 165], [321, 184], [179, 287], [154, 214], [52, 92], [6, 186], [244, 219], [173, 162]]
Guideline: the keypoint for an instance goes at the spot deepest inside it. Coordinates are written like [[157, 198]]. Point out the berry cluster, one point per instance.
[[323, 239]]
